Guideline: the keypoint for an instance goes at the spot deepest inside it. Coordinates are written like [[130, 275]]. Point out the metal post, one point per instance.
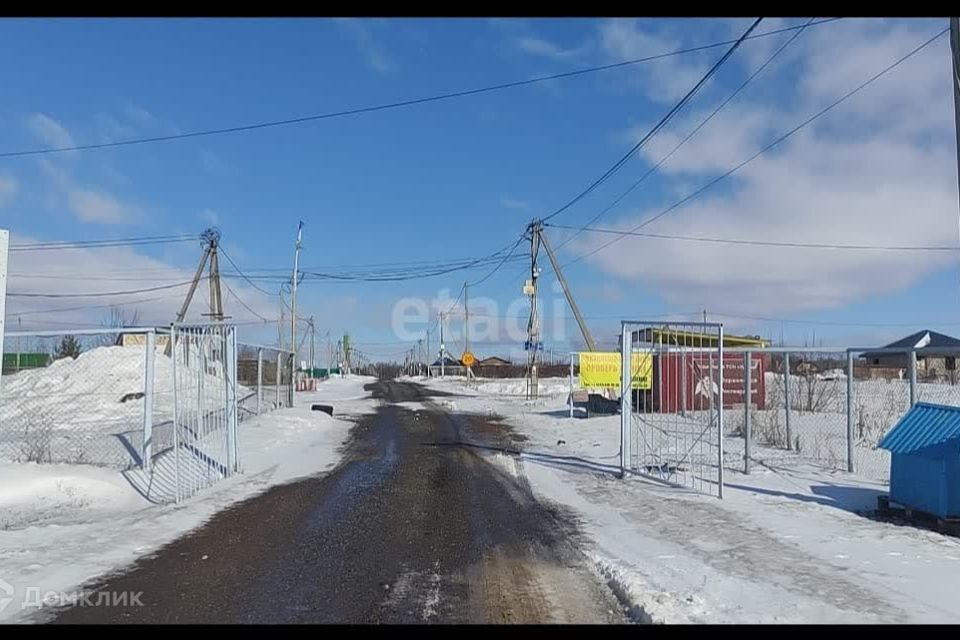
[[293, 295], [747, 388], [259, 380], [176, 412], [571, 385], [148, 401], [293, 368], [850, 411], [913, 377], [230, 349], [443, 354], [278, 375], [955, 57], [626, 350], [720, 420], [786, 393]]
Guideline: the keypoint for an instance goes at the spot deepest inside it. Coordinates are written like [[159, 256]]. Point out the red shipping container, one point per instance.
[[686, 380]]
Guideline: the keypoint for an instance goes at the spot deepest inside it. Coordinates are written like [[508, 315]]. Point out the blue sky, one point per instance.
[[463, 177]]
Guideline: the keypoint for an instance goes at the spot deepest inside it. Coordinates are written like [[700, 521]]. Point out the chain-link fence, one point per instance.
[[266, 373], [80, 397], [831, 407]]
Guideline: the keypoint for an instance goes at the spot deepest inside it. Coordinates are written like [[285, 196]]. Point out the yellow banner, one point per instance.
[[603, 370]]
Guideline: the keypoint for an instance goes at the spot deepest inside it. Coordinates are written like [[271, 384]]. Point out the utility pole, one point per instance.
[[293, 298], [955, 54], [313, 335], [420, 355], [443, 354], [429, 355], [466, 318], [533, 324]]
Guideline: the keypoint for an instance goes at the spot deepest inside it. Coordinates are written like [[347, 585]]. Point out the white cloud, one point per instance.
[[880, 169], [547, 49], [663, 80], [359, 30], [49, 130], [513, 203], [210, 217], [8, 189], [96, 206]]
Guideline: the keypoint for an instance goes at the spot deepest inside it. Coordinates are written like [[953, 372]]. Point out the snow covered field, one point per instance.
[[64, 524], [787, 543]]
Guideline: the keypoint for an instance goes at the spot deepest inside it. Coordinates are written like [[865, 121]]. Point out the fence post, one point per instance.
[[747, 387], [176, 407], [571, 385], [720, 415], [913, 377], [233, 462], [147, 452], [850, 411], [626, 389], [293, 371], [278, 376], [259, 380], [786, 393]]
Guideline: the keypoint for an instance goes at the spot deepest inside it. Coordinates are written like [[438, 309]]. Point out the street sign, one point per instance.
[[529, 346], [467, 359]]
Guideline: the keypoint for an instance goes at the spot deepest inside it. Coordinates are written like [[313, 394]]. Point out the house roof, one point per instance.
[[447, 362], [494, 360], [692, 338], [925, 425], [920, 340]]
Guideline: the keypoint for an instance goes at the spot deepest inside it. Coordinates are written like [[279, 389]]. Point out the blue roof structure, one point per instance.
[[925, 425]]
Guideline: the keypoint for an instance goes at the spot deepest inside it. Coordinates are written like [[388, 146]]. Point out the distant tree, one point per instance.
[[117, 318], [69, 347]]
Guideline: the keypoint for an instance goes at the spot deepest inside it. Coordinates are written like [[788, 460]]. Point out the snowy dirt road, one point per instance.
[[411, 527]]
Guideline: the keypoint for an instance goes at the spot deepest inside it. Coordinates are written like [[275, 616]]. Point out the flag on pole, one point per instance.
[[300, 232]]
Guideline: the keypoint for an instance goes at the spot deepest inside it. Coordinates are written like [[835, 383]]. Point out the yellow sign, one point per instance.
[[603, 370], [467, 359]]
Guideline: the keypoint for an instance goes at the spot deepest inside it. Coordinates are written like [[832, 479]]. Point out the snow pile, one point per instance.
[[90, 409]]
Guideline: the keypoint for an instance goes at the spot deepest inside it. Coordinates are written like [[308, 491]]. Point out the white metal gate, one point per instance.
[[204, 360], [672, 404]]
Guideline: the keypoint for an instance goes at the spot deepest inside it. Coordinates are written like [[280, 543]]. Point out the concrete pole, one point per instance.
[[786, 393]]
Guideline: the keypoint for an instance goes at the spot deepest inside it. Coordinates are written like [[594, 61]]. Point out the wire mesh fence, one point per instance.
[[266, 374], [672, 399], [80, 398]]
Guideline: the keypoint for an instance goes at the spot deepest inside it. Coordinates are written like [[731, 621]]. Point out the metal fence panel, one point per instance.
[[205, 418], [671, 423], [88, 406], [265, 375]]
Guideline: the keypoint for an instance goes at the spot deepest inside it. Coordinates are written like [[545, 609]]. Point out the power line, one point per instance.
[[99, 244], [762, 243], [663, 122], [14, 314], [387, 106], [770, 146], [242, 274], [99, 294], [694, 132], [244, 304], [507, 257]]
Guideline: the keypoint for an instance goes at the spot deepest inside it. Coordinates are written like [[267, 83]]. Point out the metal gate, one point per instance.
[[204, 361], [672, 404]]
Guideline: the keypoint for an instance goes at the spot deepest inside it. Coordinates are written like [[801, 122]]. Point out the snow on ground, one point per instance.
[[63, 524], [788, 543]]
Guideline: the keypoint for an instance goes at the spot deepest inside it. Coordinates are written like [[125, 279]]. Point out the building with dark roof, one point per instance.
[[936, 357]]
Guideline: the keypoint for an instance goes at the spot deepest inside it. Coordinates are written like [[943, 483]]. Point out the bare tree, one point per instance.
[[117, 318]]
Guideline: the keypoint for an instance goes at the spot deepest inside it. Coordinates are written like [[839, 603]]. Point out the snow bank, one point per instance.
[[62, 525]]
